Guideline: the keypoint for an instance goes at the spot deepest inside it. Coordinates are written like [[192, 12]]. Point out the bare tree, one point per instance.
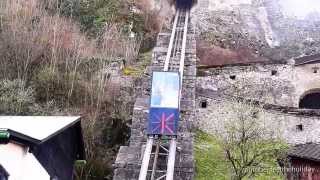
[[249, 143]]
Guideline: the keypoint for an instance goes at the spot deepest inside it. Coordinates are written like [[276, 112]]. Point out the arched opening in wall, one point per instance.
[[310, 100]]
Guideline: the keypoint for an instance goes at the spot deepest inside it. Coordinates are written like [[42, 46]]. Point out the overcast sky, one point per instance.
[[300, 8]]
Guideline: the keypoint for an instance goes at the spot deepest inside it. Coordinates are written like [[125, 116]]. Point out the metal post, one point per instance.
[[171, 159], [146, 159], [166, 63], [155, 161]]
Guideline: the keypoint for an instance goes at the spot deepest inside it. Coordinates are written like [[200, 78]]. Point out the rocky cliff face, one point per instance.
[[256, 30], [162, 11]]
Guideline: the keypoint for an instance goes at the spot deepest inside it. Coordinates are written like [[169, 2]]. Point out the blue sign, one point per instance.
[[164, 106], [163, 121]]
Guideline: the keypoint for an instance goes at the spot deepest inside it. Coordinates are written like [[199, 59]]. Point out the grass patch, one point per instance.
[[131, 71], [139, 67], [211, 163]]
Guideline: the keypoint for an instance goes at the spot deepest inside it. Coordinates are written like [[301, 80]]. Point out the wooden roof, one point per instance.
[[36, 130], [309, 151], [37, 127], [307, 59]]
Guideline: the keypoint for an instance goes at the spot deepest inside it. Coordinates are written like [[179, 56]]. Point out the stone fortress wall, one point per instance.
[[249, 47], [283, 84], [279, 85]]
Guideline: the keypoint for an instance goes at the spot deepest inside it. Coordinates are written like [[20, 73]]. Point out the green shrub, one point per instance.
[[15, 98], [64, 88], [212, 164]]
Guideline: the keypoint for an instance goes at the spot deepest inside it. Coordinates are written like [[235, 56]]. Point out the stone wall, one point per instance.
[[285, 125], [279, 85], [253, 82]]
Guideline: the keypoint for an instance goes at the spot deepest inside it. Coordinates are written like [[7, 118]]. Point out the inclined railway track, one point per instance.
[[159, 155]]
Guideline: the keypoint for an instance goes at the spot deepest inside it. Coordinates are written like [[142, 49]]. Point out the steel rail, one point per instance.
[[173, 143], [183, 49], [146, 159], [166, 63], [175, 43], [178, 36], [171, 159], [156, 155], [181, 33]]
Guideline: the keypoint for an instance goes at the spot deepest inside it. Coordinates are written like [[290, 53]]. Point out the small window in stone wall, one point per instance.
[[255, 114], [274, 72], [315, 69], [299, 127], [204, 104], [233, 77]]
